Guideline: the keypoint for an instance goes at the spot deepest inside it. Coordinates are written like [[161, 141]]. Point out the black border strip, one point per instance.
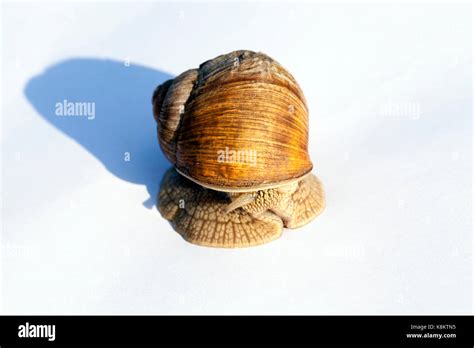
[[195, 330]]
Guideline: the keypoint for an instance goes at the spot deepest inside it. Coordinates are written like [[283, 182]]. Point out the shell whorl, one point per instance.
[[169, 100], [241, 102]]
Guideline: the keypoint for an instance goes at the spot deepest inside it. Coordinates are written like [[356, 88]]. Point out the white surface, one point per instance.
[[396, 236]]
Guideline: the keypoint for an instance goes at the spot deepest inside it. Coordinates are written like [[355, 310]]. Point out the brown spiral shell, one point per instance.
[[238, 123]]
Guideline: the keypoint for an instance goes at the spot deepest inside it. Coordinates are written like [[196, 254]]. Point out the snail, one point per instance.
[[236, 132]]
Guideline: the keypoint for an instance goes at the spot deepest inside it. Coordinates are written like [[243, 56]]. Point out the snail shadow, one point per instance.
[[105, 106]]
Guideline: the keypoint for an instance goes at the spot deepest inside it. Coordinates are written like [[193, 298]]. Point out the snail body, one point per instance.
[[236, 131]]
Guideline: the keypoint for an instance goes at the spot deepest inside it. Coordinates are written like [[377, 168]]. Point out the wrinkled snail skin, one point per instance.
[[199, 214], [247, 105]]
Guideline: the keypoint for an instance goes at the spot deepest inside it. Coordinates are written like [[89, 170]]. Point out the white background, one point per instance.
[[80, 233]]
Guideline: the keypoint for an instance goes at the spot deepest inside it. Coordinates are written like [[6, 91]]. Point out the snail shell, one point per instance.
[[243, 104]]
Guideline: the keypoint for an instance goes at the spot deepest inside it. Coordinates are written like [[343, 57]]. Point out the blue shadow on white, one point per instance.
[[116, 125]]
